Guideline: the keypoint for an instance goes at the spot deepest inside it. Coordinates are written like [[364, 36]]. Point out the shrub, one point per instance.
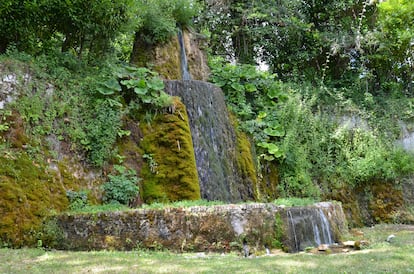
[[122, 186], [77, 199]]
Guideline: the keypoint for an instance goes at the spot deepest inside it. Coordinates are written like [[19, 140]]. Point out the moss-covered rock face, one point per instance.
[[165, 58], [29, 191], [386, 202], [350, 204], [268, 183], [33, 184], [246, 167], [197, 58], [170, 171], [374, 202]]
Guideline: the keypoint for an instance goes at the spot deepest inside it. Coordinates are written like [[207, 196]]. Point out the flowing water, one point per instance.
[[185, 74], [214, 140], [309, 227]]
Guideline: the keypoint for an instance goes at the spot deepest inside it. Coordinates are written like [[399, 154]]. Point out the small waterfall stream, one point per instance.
[[214, 140], [213, 134], [185, 73], [309, 227]]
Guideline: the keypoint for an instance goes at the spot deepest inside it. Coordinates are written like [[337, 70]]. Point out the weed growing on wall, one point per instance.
[[77, 199], [122, 186]]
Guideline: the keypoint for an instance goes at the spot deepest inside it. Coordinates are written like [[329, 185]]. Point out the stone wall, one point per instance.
[[214, 228]]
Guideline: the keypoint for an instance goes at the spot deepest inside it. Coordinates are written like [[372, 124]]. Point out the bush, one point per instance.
[[122, 186], [77, 199], [161, 17]]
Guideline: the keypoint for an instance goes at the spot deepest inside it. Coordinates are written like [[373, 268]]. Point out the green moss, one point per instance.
[[246, 164], [28, 193], [167, 62], [386, 201], [30, 190], [163, 58], [170, 171], [264, 188], [350, 204], [269, 181], [280, 230]]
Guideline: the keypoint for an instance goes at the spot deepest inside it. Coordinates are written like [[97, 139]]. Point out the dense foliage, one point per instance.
[[316, 151], [365, 44], [92, 28], [326, 112]]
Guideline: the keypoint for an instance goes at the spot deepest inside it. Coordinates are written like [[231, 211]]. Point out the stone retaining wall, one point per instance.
[[214, 228]]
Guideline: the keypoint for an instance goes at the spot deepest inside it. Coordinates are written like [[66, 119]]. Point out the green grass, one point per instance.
[[379, 257], [156, 205], [295, 201], [182, 204], [99, 208]]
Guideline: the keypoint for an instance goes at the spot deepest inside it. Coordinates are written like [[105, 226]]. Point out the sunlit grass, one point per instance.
[[379, 257], [99, 208], [295, 201], [182, 204]]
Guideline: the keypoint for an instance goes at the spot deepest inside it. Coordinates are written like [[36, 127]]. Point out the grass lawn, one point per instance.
[[379, 257]]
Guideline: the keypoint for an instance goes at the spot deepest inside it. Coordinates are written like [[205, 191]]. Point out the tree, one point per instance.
[[159, 21], [389, 49], [312, 39], [89, 24], [18, 20], [76, 24]]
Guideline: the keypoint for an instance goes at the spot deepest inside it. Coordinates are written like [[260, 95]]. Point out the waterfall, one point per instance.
[[289, 213], [309, 227], [185, 74], [326, 228], [316, 233], [214, 141]]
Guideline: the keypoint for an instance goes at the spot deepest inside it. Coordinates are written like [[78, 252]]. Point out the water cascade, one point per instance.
[[185, 74], [221, 177], [308, 227], [214, 140]]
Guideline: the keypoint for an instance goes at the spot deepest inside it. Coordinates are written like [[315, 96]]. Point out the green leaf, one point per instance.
[[273, 92], [114, 103], [155, 83], [267, 157], [275, 131], [238, 87], [109, 87], [140, 91], [105, 91], [113, 84], [272, 149], [250, 87], [147, 99], [261, 115], [132, 83]]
